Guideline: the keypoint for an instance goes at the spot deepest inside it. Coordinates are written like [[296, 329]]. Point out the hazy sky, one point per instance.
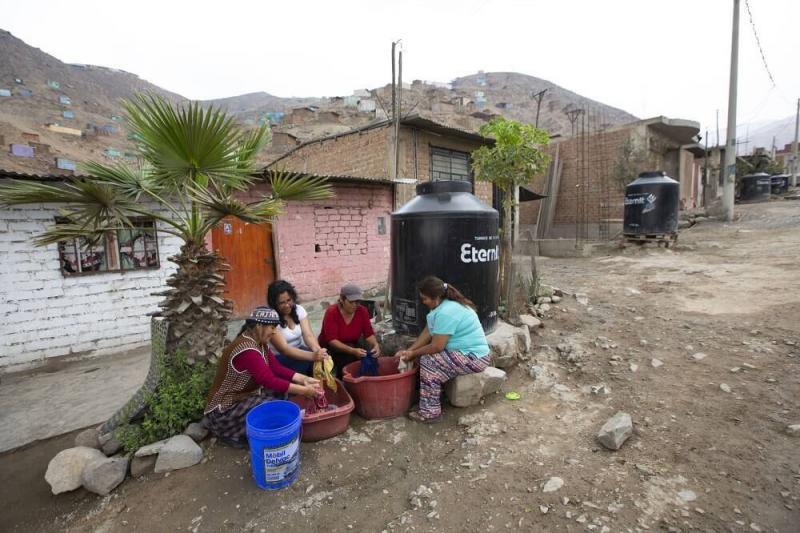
[[649, 57]]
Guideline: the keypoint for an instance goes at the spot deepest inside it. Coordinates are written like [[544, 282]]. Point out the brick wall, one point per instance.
[[322, 245], [44, 314], [360, 154], [603, 196], [415, 159]]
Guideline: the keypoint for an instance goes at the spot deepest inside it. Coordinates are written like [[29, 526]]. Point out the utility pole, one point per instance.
[[729, 184], [538, 97], [717, 139], [394, 105], [398, 111], [795, 161]]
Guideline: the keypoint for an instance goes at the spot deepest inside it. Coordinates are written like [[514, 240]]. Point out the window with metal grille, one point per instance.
[[133, 248], [449, 165]]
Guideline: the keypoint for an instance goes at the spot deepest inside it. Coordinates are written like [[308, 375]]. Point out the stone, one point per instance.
[[602, 388], [141, 466], [656, 363], [793, 430], [555, 299], [179, 452], [197, 431], [553, 484], [536, 371], [699, 356], [544, 308], [88, 438], [687, 495], [582, 298], [65, 469], [634, 367], [544, 300], [508, 344], [109, 444], [531, 321], [466, 390], [103, 475], [724, 387], [630, 291], [150, 449], [545, 290], [616, 431]]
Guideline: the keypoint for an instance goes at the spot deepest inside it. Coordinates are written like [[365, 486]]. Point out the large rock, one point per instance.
[[150, 449], [103, 475], [197, 431], [141, 466], [466, 390], [179, 452], [88, 438], [508, 344], [109, 444], [616, 431], [531, 321], [65, 469]]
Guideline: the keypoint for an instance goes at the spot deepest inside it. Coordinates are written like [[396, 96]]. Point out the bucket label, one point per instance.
[[281, 463], [649, 201]]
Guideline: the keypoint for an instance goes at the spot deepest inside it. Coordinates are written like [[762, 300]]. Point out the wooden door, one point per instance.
[[248, 250]]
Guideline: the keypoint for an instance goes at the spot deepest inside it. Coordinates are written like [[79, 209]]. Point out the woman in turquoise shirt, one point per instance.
[[452, 344]]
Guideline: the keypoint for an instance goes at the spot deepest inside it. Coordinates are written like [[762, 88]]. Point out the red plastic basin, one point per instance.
[[387, 395], [326, 424]]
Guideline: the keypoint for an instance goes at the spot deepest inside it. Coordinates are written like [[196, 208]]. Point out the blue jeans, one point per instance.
[[299, 366]]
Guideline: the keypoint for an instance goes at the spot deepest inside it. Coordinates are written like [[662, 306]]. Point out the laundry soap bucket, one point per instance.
[[387, 395], [273, 430]]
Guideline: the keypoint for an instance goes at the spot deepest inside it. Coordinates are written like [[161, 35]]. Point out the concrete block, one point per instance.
[[508, 344], [467, 390]]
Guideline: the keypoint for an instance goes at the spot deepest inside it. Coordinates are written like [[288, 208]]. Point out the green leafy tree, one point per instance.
[[514, 159], [193, 161]]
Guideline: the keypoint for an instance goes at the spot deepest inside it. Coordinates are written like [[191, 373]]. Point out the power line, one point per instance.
[[758, 42]]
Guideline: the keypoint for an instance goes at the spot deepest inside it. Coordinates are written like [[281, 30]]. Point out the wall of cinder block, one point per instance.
[[45, 314]]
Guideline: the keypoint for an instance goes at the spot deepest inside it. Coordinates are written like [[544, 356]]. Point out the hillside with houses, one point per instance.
[[54, 115]]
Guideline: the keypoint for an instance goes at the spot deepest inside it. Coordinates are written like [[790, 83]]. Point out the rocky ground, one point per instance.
[[698, 343]]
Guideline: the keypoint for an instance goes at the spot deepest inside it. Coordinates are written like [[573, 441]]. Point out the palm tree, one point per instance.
[[193, 161]]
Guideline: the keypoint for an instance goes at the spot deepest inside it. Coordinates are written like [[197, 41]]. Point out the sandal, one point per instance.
[[417, 417]]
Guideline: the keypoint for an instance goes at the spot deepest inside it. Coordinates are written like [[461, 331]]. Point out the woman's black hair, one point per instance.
[[433, 287], [275, 289], [248, 324]]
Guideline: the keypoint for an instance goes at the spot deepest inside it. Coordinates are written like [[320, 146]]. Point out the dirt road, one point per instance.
[[700, 458]]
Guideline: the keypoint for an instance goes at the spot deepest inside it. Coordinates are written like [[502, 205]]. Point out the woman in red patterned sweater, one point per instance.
[[248, 374]]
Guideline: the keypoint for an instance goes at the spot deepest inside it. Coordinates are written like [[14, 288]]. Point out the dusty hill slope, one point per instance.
[[97, 129]]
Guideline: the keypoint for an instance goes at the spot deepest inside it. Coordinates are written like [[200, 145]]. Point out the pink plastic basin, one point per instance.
[[326, 424], [387, 395]]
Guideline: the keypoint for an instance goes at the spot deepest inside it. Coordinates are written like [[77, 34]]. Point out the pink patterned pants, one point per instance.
[[439, 368]]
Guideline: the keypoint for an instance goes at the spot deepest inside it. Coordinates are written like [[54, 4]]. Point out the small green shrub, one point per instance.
[[178, 400]]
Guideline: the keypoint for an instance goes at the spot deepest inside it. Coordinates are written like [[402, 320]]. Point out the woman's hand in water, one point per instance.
[[406, 355], [310, 391]]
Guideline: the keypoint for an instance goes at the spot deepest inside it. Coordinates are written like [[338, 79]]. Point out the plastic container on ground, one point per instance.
[[273, 431], [326, 424], [387, 395]]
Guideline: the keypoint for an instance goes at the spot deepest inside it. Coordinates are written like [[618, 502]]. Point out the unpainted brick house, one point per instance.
[[588, 175], [322, 245]]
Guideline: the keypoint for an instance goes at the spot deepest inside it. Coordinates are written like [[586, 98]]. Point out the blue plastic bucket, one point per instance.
[[273, 430]]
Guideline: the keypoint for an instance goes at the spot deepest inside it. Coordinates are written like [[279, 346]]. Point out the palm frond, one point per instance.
[[216, 206], [187, 143], [69, 231], [268, 208], [296, 186], [133, 181], [249, 146]]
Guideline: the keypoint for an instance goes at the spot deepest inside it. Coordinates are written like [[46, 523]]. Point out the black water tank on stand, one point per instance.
[[444, 231], [651, 205], [755, 187]]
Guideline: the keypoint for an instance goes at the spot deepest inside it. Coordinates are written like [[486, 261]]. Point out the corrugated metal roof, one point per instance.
[[10, 174]]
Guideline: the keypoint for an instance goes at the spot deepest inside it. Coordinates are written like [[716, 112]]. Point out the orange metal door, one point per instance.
[[248, 250]]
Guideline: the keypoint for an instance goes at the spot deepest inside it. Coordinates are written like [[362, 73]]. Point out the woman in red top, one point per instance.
[[346, 329], [248, 374]]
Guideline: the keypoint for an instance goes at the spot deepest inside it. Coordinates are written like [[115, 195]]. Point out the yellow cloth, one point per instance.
[[323, 371]]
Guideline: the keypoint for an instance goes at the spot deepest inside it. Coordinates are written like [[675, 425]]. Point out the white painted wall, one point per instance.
[[44, 314]]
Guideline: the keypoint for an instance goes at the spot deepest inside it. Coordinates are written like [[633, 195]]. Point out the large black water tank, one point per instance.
[[651, 205], [755, 187], [444, 231]]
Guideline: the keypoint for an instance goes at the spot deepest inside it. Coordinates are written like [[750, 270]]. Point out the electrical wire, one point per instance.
[[758, 42]]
